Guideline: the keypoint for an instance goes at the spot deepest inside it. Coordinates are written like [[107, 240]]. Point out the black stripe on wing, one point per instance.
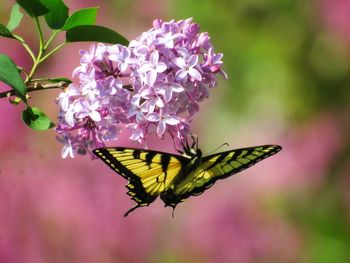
[[231, 162], [148, 172], [215, 167]]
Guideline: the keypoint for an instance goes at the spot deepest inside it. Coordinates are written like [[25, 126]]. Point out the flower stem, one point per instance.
[[25, 45], [41, 51], [36, 86], [51, 38], [41, 38], [51, 52]]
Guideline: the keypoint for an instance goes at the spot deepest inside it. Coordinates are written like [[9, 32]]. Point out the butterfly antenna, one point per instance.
[[194, 144], [186, 148], [130, 210], [225, 144], [176, 147], [187, 145], [172, 214]]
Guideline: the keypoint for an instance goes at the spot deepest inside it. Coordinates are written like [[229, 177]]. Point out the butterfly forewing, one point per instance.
[[149, 172], [174, 177], [220, 166]]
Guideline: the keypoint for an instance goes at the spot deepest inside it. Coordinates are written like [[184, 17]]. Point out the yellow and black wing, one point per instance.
[[149, 173], [214, 167]]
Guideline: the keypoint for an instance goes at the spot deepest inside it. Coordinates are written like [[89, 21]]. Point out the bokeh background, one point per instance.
[[288, 63]]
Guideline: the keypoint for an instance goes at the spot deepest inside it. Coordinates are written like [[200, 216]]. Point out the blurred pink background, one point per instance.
[[293, 207]]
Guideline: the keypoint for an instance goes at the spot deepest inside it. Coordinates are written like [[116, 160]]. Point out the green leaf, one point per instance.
[[5, 32], [49, 4], [58, 15], [95, 33], [55, 80], [36, 119], [33, 7], [15, 17], [85, 16], [9, 75]]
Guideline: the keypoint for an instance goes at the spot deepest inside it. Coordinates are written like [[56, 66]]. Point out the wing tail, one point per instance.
[[132, 209]]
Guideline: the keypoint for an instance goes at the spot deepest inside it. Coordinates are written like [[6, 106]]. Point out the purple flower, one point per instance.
[[152, 68], [159, 79], [163, 120], [137, 132], [88, 84], [136, 110], [213, 62], [69, 115], [187, 68], [67, 148], [121, 55], [87, 57], [65, 96], [85, 109], [168, 39], [167, 87], [105, 134]]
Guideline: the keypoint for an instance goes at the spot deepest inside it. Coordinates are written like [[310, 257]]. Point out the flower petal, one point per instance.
[[136, 134], [153, 117], [154, 57], [151, 78], [95, 116], [192, 61], [168, 94], [161, 67], [181, 74], [159, 103], [195, 74], [180, 62], [69, 118], [67, 150], [177, 87], [161, 128], [172, 120], [123, 67]]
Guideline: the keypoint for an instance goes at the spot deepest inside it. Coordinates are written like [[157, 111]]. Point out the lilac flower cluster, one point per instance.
[[154, 84]]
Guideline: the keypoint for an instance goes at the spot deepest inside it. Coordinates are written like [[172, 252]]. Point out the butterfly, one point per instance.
[[176, 177]]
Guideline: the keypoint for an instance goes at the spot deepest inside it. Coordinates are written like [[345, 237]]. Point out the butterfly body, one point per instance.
[[176, 177], [190, 162]]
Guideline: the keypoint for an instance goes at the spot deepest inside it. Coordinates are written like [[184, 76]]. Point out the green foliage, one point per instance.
[[95, 33], [15, 18], [322, 216], [277, 54], [9, 75], [85, 16], [5, 32], [55, 80], [80, 26], [57, 16], [36, 119], [51, 4], [33, 8]]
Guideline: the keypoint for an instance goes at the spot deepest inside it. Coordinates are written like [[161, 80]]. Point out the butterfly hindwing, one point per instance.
[[214, 167], [149, 173], [174, 178]]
